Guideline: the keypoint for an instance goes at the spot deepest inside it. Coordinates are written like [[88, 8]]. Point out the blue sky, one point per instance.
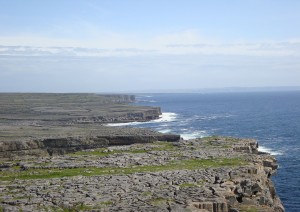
[[135, 45]]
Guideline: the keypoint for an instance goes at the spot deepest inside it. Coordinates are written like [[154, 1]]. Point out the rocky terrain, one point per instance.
[[35, 125], [56, 154], [38, 109], [209, 174]]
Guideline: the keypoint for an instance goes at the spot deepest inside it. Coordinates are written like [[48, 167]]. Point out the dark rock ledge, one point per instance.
[[63, 145]]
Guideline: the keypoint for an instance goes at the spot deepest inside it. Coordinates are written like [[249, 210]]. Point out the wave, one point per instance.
[[143, 96], [211, 117], [193, 135], [124, 124], [268, 150], [164, 117], [151, 101], [165, 131]]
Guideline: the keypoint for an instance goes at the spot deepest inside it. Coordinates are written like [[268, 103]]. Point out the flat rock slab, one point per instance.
[[208, 174]]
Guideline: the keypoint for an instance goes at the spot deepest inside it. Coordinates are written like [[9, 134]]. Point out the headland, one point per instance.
[[56, 154]]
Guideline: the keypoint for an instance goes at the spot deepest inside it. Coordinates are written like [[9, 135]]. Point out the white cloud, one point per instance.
[[186, 37], [37, 41], [107, 43]]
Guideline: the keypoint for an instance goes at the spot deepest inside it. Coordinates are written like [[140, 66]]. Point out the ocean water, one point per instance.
[[272, 118]]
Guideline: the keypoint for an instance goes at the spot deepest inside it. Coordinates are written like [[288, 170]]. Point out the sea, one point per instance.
[[273, 118]]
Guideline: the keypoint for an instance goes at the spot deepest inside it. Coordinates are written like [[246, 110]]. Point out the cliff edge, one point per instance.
[[37, 124], [215, 174]]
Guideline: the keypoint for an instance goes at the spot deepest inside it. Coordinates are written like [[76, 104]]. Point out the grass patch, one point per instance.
[[164, 186], [102, 152], [106, 203], [249, 209], [190, 164], [147, 193], [184, 185], [198, 184], [75, 208], [219, 141], [160, 200], [164, 146], [220, 138]]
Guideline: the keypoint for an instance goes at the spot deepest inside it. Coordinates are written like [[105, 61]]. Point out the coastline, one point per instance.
[[218, 174], [160, 171], [169, 117]]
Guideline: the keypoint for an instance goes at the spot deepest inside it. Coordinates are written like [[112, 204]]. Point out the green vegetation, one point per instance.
[[160, 200], [249, 209], [163, 146], [219, 141], [218, 138], [102, 152], [191, 164], [80, 207], [106, 203], [198, 184], [183, 185], [147, 193]]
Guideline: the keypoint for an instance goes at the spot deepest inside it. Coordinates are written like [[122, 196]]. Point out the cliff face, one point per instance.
[[123, 98], [147, 114], [62, 145]]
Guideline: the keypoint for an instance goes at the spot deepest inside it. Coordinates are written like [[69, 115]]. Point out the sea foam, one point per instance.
[[165, 131], [268, 150], [123, 124], [193, 135], [164, 117]]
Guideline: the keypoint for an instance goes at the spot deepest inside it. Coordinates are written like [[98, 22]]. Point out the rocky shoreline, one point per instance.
[[57, 155]]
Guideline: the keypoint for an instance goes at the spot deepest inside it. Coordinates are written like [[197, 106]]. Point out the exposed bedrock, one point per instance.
[[134, 173], [65, 145], [218, 175]]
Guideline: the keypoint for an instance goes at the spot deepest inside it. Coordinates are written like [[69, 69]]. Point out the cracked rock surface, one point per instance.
[[214, 174]]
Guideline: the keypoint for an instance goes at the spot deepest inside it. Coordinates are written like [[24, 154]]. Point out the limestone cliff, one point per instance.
[[214, 174], [56, 145]]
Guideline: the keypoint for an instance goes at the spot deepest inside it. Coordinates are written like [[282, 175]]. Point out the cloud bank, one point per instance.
[[183, 60], [114, 44]]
